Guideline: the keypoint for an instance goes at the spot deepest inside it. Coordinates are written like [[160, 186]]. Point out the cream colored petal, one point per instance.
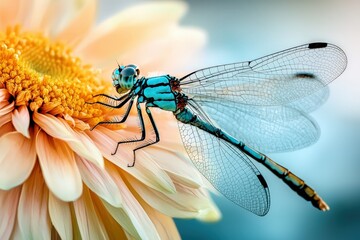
[[99, 181], [33, 218], [80, 25], [21, 120], [143, 225], [164, 224], [185, 203], [60, 215], [146, 170], [78, 141], [9, 10], [180, 170], [129, 29], [122, 218], [179, 44], [8, 205], [17, 159], [113, 229], [36, 11], [88, 222], [59, 168]]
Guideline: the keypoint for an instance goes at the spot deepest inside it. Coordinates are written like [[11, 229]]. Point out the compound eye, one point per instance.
[[137, 72], [128, 71]]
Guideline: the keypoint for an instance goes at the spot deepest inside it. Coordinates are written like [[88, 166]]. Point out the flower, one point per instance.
[[58, 178]]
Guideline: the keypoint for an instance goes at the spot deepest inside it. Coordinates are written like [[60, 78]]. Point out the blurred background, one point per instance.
[[240, 30]]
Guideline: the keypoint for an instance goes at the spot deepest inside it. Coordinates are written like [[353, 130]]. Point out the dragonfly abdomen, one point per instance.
[[293, 181]]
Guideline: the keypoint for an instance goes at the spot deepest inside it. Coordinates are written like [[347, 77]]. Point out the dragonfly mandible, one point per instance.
[[225, 109]]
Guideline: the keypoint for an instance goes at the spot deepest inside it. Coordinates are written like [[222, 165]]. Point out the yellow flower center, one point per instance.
[[44, 76]]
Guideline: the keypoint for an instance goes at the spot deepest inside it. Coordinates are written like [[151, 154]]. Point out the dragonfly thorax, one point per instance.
[[124, 77]]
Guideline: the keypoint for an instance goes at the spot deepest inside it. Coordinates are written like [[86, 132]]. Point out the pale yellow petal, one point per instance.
[[60, 215], [33, 218], [146, 170], [122, 218], [36, 11], [182, 204], [8, 205], [113, 229], [21, 120], [129, 29], [9, 10], [165, 225], [99, 181], [176, 43], [80, 25], [89, 224], [17, 159], [180, 170], [59, 168], [77, 140], [144, 227]]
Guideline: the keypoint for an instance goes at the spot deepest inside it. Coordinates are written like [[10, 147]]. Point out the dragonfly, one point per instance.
[[229, 114]]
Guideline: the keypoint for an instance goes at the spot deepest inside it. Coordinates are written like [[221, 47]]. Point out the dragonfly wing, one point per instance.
[[266, 128], [276, 79], [227, 168]]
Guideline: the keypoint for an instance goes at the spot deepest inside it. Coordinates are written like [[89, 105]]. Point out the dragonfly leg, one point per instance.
[[157, 136], [123, 118], [110, 97], [142, 126], [122, 98]]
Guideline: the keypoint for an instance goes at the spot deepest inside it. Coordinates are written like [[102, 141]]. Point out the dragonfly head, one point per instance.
[[124, 77]]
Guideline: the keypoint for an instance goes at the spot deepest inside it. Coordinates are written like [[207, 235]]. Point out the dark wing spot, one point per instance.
[[304, 75], [317, 45], [262, 180]]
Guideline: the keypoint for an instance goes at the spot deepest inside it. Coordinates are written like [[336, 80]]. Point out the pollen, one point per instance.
[[45, 76]]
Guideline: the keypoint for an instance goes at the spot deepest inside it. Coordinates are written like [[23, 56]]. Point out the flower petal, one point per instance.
[[21, 120], [99, 181], [185, 203], [5, 119], [180, 170], [80, 25], [8, 205], [58, 165], [60, 216], [143, 225], [103, 42], [146, 170], [4, 95], [33, 218], [164, 224], [15, 166], [9, 10], [113, 229], [89, 224], [78, 141]]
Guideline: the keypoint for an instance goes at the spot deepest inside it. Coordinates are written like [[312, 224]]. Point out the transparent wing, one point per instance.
[[227, 168], [267, 129], [265, 102], [276, 79]]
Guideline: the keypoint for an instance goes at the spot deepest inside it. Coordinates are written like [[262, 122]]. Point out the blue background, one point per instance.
[[244, 30]]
